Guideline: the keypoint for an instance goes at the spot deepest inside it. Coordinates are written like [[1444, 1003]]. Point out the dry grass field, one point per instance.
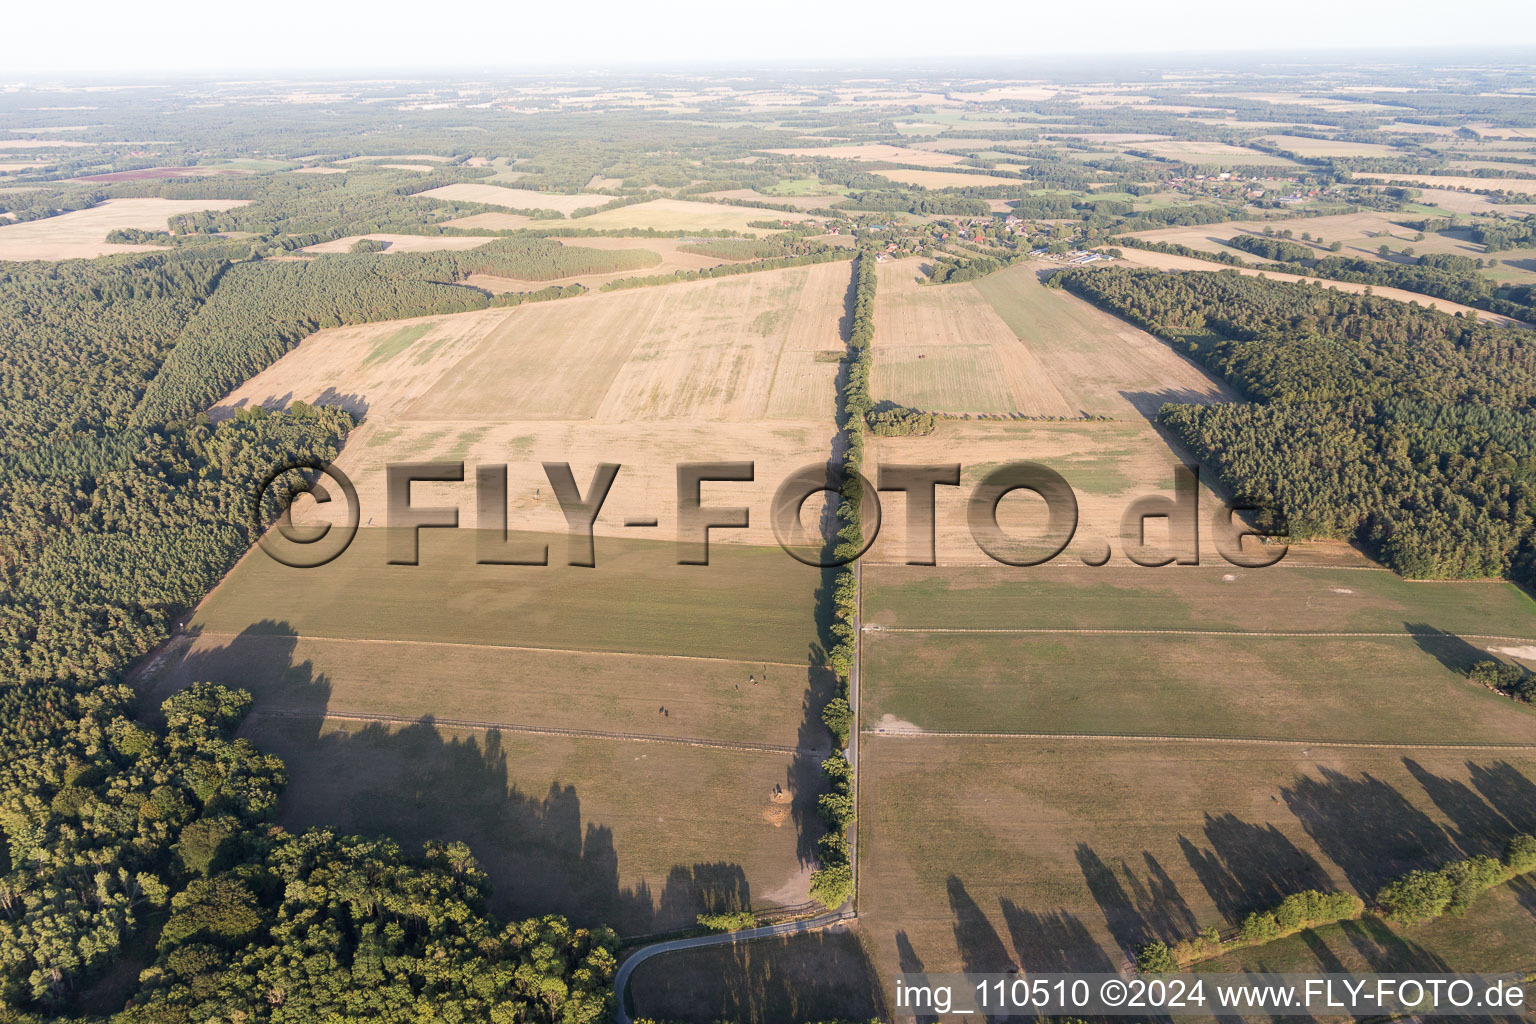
[[82, 234], [641, 837], [1340, 689], [1210, 596], [875, 153], [515, 198], [1067, 854], [718, 700], [375, 369], [749, 604], [683, 215]]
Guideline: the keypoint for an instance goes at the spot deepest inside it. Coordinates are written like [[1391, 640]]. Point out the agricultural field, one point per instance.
[[82, 234], [683, 215], [1454, 181], [1211, 153], [521, 687], [1007, 344], [673, 258], [1068, 854]]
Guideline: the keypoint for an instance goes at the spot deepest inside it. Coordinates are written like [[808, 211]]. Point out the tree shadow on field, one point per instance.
[[1508, 789], [909, 962], [1137, 910], [1449, 649], [814, 976], [1250, 866], [1053, 942], [413, 783], [981, 948], [1366, 827], [1148, 403]]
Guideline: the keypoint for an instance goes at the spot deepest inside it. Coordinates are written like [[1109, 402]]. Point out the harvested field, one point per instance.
[[725, 369], [682, 215], [1344, 689], [514, 198], [950, 179], [749, 604], [943, 348], [375, 369], [673, 259], [1453, 201], [646, 487], [82, 233], [1098, 363], [1066, 855], [703, 350], [875, 153]]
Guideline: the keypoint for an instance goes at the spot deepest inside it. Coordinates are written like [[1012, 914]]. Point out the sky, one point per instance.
[[326, 37]]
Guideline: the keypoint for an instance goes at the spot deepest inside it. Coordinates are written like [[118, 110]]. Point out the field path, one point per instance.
[[833, 919]]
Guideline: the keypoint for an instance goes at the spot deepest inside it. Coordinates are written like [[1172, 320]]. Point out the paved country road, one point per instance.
[[644, 953]]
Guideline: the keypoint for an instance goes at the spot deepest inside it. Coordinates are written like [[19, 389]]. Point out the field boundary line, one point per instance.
[[1268, 741], [1093, 631], [537, 730], [221, 634]]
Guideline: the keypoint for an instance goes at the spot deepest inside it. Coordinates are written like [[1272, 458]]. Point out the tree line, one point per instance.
[[1398, 426]]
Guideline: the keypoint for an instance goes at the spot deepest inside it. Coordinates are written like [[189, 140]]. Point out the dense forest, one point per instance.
[[137, 850], [1402, 427]]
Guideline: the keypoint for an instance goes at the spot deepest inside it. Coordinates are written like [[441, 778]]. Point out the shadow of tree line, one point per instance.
[[1369, 831], [415, 783]]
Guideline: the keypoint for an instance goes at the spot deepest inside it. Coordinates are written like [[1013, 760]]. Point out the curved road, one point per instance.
[[641, 955]]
